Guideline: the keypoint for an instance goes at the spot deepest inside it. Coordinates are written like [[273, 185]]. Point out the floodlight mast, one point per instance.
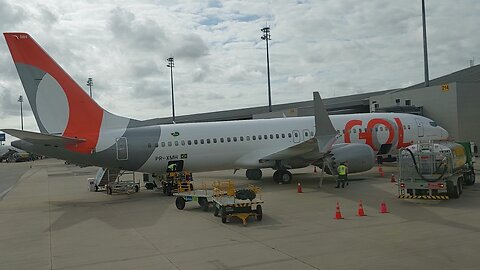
[[266, 36]]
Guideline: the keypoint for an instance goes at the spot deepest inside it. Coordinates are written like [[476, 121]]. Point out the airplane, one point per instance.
[[73, 127]]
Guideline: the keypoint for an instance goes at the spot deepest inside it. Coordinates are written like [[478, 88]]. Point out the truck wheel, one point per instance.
[[180, 203], [223, 215], [259, 212], [452, 190], [460, 186], [203, 203]]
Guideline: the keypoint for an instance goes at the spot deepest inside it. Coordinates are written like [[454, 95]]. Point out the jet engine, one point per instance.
[[358, 157]]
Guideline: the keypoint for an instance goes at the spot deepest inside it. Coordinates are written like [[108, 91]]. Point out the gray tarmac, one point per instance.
[[49, 220]]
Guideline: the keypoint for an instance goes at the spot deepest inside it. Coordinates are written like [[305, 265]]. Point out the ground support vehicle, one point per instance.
[[435, 170], [243, 204], [175, 182], [123, 187], [204, 197]]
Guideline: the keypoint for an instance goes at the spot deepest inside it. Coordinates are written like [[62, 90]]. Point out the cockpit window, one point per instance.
[[433, 124]]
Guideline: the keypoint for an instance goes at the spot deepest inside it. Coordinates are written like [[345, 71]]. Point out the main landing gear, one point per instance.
[[254, 174], [282, 177]]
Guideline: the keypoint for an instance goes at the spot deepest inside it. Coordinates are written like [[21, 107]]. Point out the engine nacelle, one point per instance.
[[358, 157]]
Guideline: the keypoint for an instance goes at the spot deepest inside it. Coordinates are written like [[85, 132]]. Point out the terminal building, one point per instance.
[[450, 100]]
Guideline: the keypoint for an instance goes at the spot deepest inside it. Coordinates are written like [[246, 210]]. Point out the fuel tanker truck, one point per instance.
[[435, 170]]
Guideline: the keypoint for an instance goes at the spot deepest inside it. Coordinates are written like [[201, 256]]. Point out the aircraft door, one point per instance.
[[122, 148], [297, 136], [420, 129]]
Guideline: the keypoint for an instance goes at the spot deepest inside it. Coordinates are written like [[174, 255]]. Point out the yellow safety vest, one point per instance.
[[342, 170]]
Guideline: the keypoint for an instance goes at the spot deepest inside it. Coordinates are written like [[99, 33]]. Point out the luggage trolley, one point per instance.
[[203, 196], [242, 204]]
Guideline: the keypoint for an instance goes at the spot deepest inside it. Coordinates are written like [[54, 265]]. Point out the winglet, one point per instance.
[[325, 133]]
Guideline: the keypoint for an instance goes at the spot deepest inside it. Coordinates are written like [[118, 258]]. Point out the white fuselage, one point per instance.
[[237, 144]]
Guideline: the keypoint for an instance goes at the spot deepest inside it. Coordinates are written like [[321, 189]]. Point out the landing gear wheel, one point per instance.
[[180, 203], [282, 177], [253, 174], [259, 212], [223, 215], [203, 203]]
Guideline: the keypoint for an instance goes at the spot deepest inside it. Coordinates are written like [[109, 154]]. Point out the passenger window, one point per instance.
[[228, 139], [214, 140], [306, 133], [381, 128], [176, 143], [408, 126], [222, 140], [202, 141], [169, 144], [241, 138], [354, 130], [234, 139], [248, 138], [163, 144], [289, 135], [277, 136], [195, 141], [296, 135], [208, 141], [376, 129], [189, 142], [254, 137], [283, 135], [182, 142], [404, 127], [259, 137], [265, 137], [271, 136]]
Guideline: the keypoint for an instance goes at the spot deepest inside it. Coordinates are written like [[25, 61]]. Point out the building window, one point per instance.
[[376, 106], [408, 102]]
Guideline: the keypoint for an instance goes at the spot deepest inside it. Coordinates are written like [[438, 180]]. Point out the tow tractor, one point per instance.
[[174, 182], [435, 170]]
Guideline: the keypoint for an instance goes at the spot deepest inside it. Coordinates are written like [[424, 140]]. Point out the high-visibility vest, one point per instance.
[[342, 170]]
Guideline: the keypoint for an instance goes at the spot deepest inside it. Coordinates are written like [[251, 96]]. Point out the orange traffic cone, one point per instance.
[[360, 213], [315, 169], [380, 170], [383, 208], [299, 188], [338, 214], [392, 179]]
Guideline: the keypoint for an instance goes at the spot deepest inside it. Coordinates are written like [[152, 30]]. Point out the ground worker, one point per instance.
[[342, 178]]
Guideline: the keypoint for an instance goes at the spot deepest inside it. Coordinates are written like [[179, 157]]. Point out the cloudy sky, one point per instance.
[[336, 47]]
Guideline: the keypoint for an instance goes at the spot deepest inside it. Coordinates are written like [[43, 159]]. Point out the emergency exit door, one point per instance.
[[122, 148]]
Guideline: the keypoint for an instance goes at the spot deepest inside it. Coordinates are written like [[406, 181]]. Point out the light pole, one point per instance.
[[425, 54], [266, 36], [90, 84], [171, 65], [20, 99]]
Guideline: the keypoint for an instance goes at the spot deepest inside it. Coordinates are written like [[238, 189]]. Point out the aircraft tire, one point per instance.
[[203, 203], [254, 174], [284, 177], [276, 176]]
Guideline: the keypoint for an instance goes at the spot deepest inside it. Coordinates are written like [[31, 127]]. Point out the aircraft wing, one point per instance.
[[316, 147], [40, 138]]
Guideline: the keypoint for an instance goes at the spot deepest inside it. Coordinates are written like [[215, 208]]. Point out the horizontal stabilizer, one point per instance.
[[40, 138]]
